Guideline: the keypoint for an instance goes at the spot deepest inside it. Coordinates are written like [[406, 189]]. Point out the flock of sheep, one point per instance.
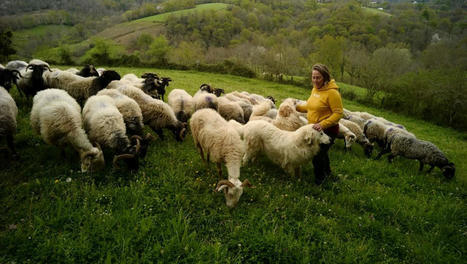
[[229, 129]]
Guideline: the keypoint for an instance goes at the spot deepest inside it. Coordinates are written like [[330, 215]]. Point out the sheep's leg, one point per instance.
[[390, 157], [11, 145], [383, 151], [201, 152], [421, 166], [219, 170], [431, 168], [160, 133], [298, 172]]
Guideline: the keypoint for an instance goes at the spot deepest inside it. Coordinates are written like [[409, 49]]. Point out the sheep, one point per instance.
[[88, 71], [56, 116], [8, 77], [390, 132], [356, 119], [105, 125], [161, 84], [8, 113], [156, 114], [218, 91], [259, 112], [73, 70], [31, 81], [247, 110], [374, 131], [425, 152], [182, 104], [16, 65], [360, 136], [129, 109], [58, 78], [203, 99], [82, 88], [288, 149], [100, 71], [230, 110], [364, 115], [221, 143], [348, 136], [148, 83]]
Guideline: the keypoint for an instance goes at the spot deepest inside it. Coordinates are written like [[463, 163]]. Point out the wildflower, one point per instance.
[[68, 179], [57, 180]]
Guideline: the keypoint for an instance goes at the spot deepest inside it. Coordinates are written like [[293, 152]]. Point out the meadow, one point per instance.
[[371, 211]]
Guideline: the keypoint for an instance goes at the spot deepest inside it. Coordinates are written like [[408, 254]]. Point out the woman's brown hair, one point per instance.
[[321, 68]]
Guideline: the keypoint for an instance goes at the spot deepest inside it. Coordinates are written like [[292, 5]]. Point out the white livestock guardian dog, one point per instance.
[[288, 149]]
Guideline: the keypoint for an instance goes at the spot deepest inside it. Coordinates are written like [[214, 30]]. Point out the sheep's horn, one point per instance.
[[149, 137], [138, 144], [224, 182], [16, 71], [98, 146], [29, 66], [123, 156], [247, 183], [48, 68], [182, 132]]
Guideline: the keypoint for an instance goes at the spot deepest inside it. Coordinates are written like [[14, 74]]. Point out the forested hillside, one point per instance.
[[397, 50]]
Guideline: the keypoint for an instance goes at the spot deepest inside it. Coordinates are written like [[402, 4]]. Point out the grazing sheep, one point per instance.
[[221, 143], [82, 88], [389, 133], [182, 104], [361, 138], [8, 77], [156, 114], [105, 125], [8, 113], [364, 115], [357, 120], [288, 149], [230, 110], [425, 152], [148, 83], [56, 116], [247, 110], [348, 136], [374, 131], [31, 78], [129, 109], [203, 99]]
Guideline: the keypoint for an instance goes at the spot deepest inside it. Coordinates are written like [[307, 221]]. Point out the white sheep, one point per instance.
[[56, 116], [348, 136], [8, 113], [230, 110], [156, 114], [203, 99], [288, 149], [360, 136], [215, 138], [129, 109], [31, 80], [374, 131], [182, 104]]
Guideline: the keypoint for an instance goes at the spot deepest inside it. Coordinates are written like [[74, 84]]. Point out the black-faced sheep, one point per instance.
[[31, 80], [8, 112], [82, 88], [56, 116], [129, 109], [88, 71], [215, 138], [156, 114], [182, 104], [8, 77], [161, 84], [288, 149]]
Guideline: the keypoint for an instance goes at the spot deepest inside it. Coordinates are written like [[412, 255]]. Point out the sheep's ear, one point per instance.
[[285, 111]]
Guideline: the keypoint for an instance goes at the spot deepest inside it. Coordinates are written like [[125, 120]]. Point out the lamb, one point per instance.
[[104, 124], [56, 116], [129, 109], [203, 99], [82, 88], [288, 149], [221, 143], [230, 110], [348, 136], [360, 136], [423, 151], [8, 113], [31, 81], [182, 104], [156, 114]]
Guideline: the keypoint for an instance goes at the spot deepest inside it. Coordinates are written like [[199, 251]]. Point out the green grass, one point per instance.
[[375, 11], [198, 8], [375, 212]]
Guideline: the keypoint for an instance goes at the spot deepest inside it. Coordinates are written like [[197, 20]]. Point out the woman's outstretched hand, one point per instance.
[[318, 127]]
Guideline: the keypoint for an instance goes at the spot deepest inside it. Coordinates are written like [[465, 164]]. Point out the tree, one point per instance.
[[158, 50], [6, 46], [103, 52]]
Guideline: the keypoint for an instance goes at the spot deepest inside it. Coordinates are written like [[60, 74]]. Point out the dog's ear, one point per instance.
[[309, 138], [285, 111]]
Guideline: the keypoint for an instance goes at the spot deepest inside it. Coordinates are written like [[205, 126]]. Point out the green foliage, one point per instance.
[[373, 212], [103, 52], [157, 52], [6, 48]]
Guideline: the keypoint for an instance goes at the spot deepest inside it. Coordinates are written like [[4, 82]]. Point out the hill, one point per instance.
[[372, 211]]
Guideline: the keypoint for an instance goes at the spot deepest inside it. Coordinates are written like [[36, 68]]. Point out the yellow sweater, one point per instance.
[[324, 106]]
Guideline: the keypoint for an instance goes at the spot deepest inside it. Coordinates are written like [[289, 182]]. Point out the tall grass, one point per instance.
[[372, 212]]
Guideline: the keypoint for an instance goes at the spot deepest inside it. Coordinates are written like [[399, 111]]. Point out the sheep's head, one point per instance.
[[218, 91], [206, 87], [182, 116], [271, 98], [8, 77], [368, 149], [449, 170], [88, 71], [108, 76], [349, 140], [92, 160], [134, 126], [179, 130], [149, 75], [232, 190]]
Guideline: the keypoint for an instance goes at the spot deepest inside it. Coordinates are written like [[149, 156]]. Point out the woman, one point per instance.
[[324, 109]]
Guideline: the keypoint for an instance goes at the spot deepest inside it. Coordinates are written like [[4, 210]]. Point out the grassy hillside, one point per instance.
[[198, 8], [167, 211]]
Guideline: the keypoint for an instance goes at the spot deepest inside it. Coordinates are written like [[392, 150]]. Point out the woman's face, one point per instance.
[[317, 79]]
